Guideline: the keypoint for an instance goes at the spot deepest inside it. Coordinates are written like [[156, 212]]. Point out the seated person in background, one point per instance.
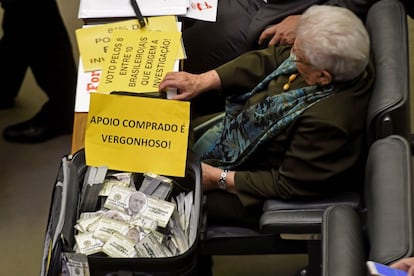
[[244, 25], [295, 118]]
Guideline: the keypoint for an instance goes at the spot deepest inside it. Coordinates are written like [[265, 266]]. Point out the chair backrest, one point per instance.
[[389, 196], [388, 111]]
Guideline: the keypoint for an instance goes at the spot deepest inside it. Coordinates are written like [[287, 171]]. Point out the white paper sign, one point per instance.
[[203, 10]]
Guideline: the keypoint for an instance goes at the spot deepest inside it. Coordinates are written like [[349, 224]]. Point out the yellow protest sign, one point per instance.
[[138, 61], [93, 40], [137, 134]]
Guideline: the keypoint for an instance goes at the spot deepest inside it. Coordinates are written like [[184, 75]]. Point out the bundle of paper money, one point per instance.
[[135, 222]]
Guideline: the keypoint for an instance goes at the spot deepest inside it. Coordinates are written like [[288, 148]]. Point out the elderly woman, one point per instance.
[[295, 118]]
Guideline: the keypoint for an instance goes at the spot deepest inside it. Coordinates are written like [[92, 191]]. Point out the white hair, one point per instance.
[[335, 39]]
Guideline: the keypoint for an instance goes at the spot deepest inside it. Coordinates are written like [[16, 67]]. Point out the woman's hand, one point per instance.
[[190, 85], [283, 33]]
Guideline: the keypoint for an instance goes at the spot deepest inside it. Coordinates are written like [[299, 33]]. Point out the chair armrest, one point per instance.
[[301, 216], [343, 246]]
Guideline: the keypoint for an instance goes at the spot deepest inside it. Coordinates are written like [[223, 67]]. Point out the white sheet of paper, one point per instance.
[[205, 10], [123, 8]]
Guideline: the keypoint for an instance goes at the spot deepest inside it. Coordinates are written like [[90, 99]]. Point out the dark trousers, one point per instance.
[[35, 37]]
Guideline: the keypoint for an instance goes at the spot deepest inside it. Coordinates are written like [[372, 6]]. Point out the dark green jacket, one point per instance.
[[319, 153]]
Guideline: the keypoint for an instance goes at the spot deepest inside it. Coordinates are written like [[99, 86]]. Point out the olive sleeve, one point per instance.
[[245, 72]]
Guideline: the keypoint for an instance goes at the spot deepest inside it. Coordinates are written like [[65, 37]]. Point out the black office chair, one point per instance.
[[293, 227], [383, 230]]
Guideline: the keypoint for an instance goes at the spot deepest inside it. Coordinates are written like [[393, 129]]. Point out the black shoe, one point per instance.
[[34, 131]]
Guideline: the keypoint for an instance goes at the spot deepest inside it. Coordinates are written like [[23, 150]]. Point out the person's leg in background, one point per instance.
[[14, 63], [44, 44]]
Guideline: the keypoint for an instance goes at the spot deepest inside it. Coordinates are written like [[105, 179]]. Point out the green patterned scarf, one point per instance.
[[244, 131]]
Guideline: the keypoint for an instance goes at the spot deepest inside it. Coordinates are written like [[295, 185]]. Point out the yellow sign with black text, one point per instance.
[[138, 61], [137, 134], [93, 40]]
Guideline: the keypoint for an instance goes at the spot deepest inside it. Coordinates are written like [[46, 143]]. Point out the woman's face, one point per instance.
[[311, 74]]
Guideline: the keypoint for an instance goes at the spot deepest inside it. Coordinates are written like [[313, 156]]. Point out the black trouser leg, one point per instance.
[[13, 55], [54, 67], [36, 32]]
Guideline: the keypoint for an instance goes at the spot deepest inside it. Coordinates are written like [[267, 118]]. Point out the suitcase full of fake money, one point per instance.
[[105, 222]]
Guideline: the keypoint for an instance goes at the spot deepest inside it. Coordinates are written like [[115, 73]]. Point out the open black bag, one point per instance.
[[64, 212]]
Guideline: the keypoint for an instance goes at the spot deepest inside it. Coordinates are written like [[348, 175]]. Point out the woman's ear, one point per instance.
[[324, 78]]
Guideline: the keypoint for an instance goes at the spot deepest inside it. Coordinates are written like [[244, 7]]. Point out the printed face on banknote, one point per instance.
[[137, 202]]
